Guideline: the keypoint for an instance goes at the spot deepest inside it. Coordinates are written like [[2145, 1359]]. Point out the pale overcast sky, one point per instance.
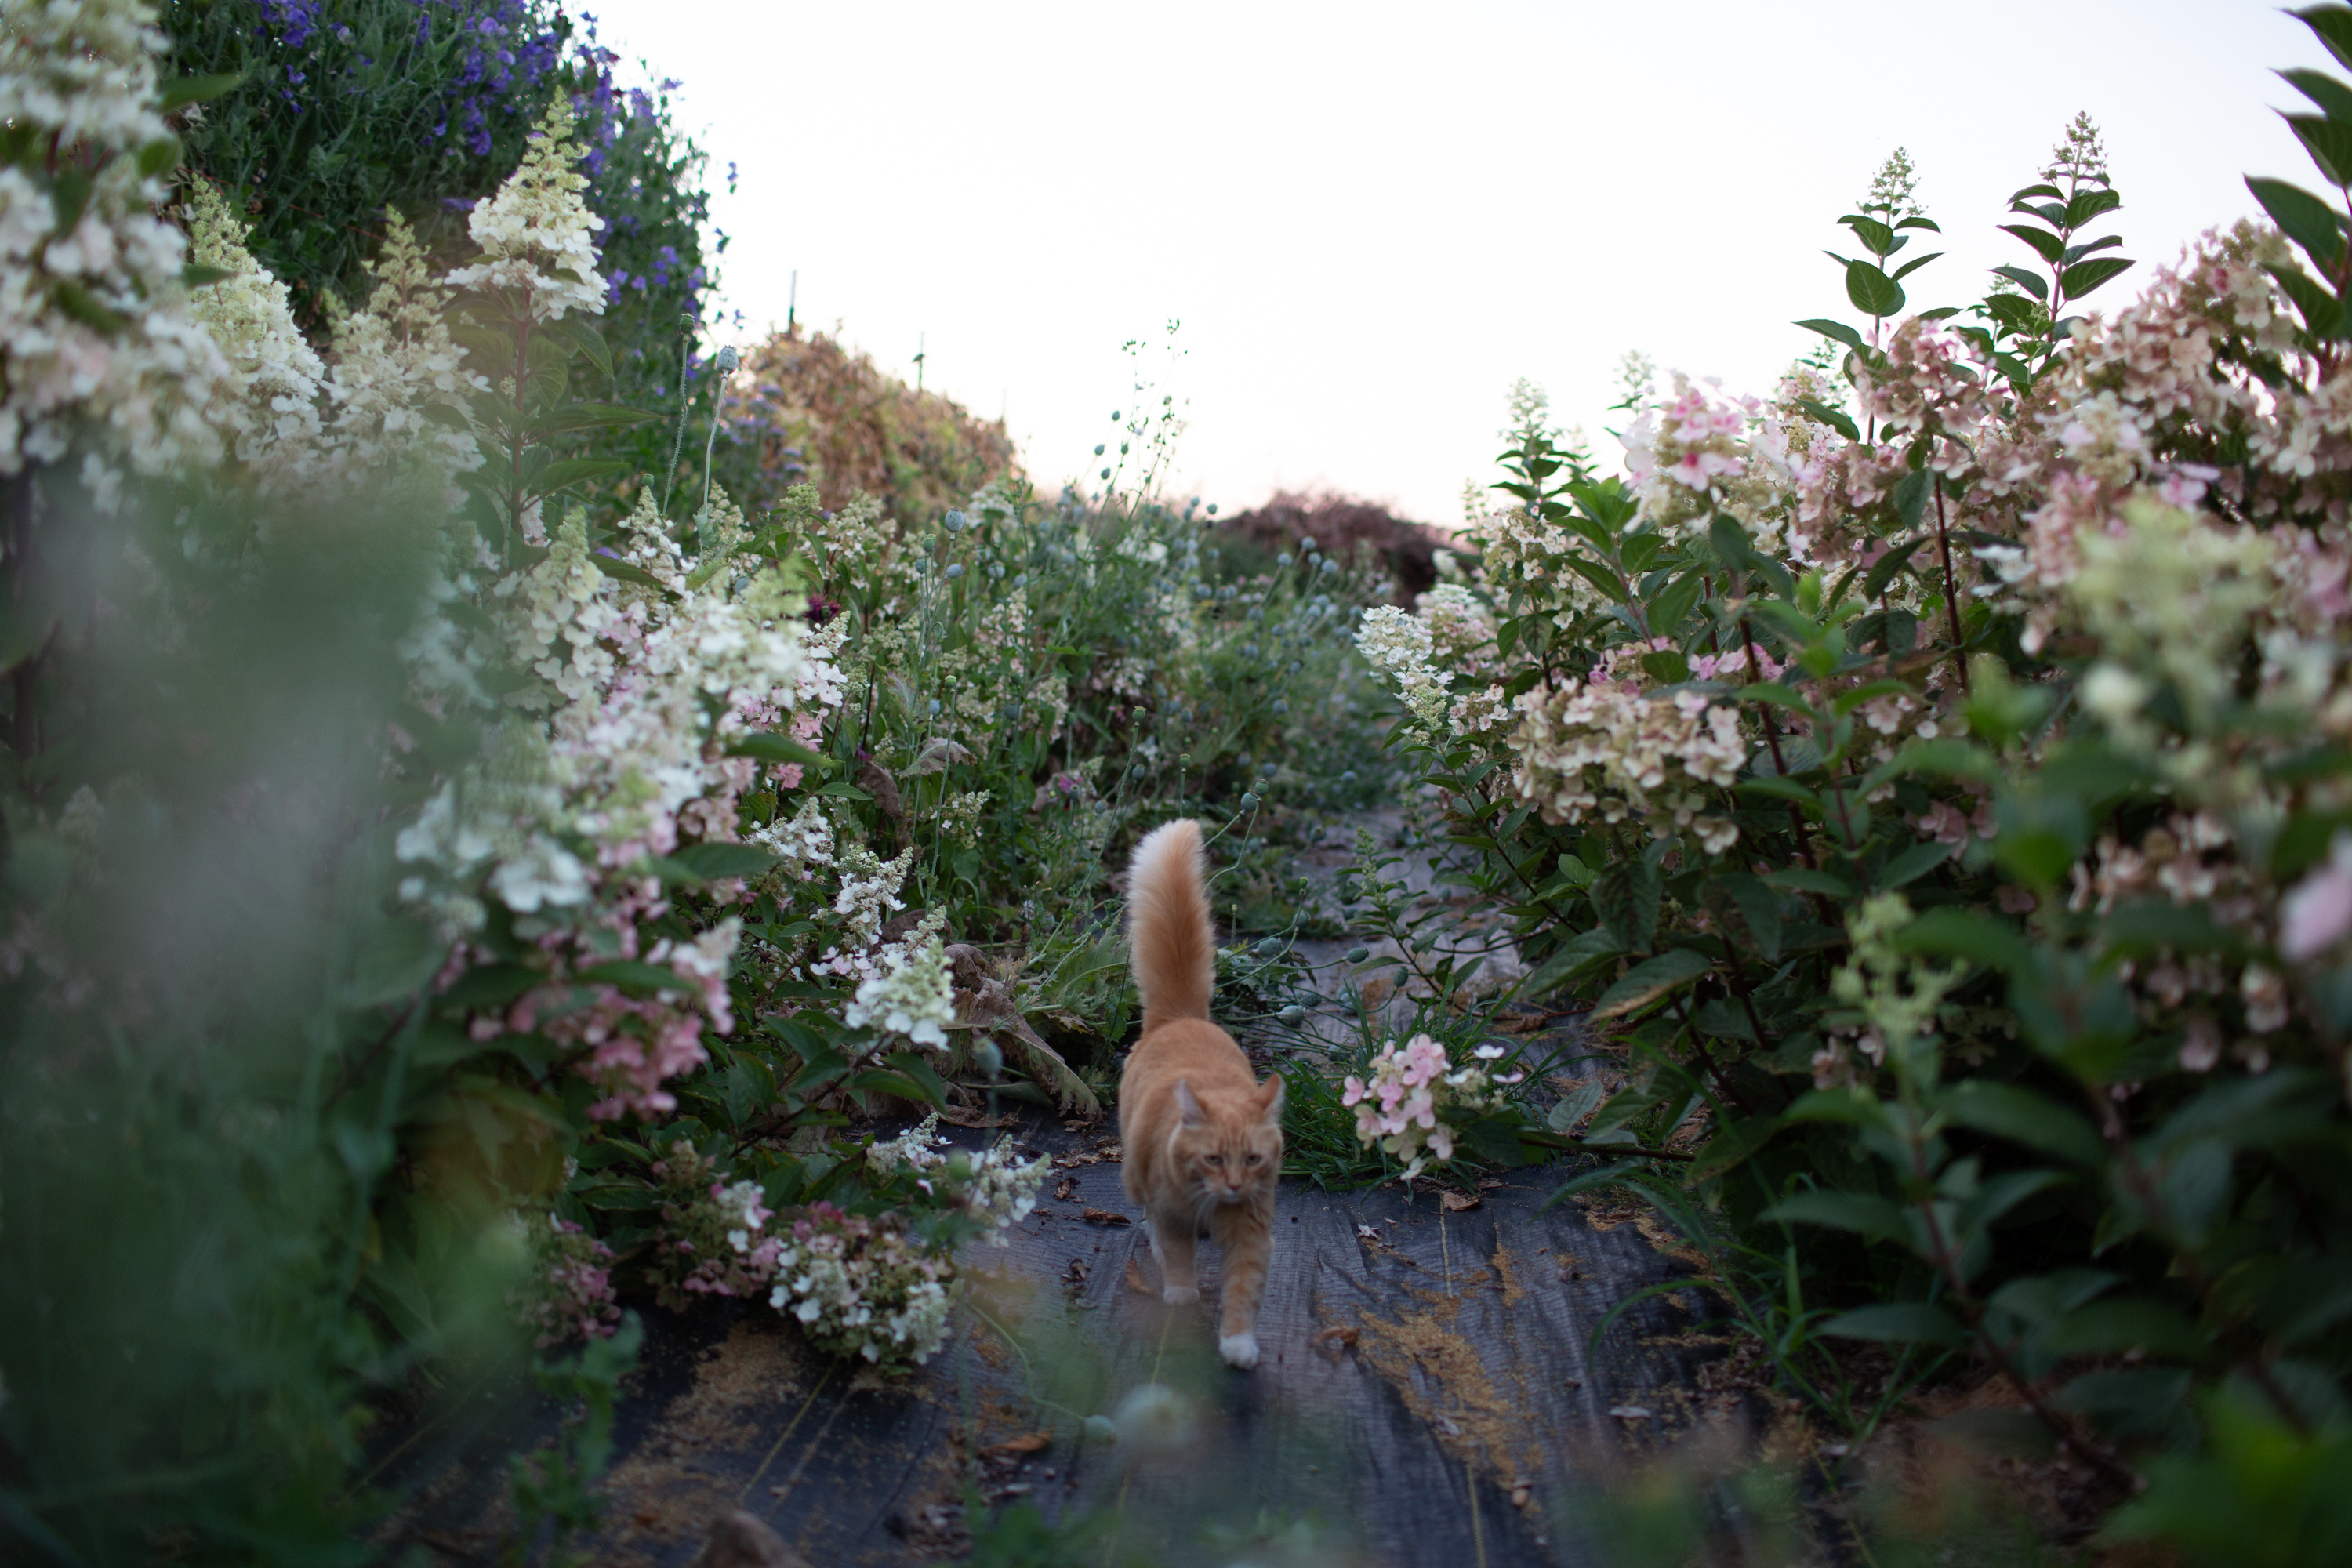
[[1370, 218]]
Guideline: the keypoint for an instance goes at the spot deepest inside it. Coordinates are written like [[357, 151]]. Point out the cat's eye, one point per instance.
[[1216, 1159], [1258, 1159]]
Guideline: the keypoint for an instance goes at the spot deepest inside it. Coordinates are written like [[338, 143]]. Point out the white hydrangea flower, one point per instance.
[[270, 401], [393, 361], [914, 995], [95, 333], [1003, 1190], [1399, 645], [918, 1146], [535, 230]]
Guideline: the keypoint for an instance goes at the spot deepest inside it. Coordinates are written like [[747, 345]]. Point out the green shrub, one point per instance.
[[1934, 778]]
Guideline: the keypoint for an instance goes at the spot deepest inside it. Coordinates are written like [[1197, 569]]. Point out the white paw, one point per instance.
[[1180, 1295], [1239, 1350]]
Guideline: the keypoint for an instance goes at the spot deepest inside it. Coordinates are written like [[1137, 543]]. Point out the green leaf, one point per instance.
[[1883, 570], [573, 470], [1601, 576], [68, 197], [633, 975], [1672, 605], [1837, 332], [2024, 1117], [1667, 667], [1911, 497], [2032, 283], [1802, 880], [1774, 787], [713, 862], [2076, 252], [492, 985], [622, 571], [2330, 142], [1902, 1321], [183, 90], [2012, 314], [1913, 864], [1645, 983], [573, 417], [1626, 895], [1864, 1212], [2088, 204], [194, 276], [774, 748], [1872, 290], [1876, 237], [400, 958], [1836, 419], [1960, 933], [1915, 263], [2119, 1327], [2323, 314], [2331, 95], [85, 307], [2085, 276], [2046, 244], [2143, 926], [1853, 1106], [1753, 908], [1580, 955], [2302, 217], [2333, 27], [583, 335], [2002, 1194]]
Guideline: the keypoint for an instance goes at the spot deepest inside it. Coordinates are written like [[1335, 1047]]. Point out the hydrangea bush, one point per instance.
[[1933, 777]]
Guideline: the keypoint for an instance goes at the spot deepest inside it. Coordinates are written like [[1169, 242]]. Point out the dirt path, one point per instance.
[[1427, 1397]]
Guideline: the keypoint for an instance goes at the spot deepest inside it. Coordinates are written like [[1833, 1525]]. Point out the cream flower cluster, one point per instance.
[[861, 1288], [912, 996], [1404, 1105], [1696, 453], [268, 404], [98, 348], [1399, 644], [534, 233], [1603, 746], [1002, 1190]]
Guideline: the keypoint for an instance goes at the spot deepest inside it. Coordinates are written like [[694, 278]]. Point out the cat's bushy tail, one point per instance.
[[1172, 945]]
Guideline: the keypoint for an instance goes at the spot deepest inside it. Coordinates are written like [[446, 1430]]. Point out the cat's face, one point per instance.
[[1227, 1146]]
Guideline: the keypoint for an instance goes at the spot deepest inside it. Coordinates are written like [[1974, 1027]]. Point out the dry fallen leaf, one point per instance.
[[1027, 1443], [1134, 1280], [1105, 1216], [1368, 1233], [1345, 1335], [1066, 1189], [1457, 1201], [1629, 1412]]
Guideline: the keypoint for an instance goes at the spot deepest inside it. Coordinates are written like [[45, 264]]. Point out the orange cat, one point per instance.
[[1203, 1136]]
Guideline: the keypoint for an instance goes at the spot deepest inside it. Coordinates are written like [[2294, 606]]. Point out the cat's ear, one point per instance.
[[1188, 1106], [1269, 1100]]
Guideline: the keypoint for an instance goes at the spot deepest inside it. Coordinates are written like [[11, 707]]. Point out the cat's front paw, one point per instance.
[[1180, 1295], [1239, 1350]]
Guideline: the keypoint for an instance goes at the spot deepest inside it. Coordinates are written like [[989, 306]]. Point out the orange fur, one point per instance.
[[1202, 1137]]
